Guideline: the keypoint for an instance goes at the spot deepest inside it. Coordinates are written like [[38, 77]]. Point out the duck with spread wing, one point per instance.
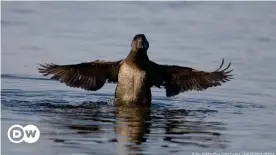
[[135, 75]]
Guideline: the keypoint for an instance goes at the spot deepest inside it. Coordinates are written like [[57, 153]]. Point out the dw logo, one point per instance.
[[18, 134]]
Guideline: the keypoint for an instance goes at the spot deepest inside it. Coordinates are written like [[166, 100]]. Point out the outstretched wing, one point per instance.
[[178, 79], [89, 76]]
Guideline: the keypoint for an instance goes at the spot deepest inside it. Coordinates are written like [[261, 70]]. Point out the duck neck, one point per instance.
[[139, 58]]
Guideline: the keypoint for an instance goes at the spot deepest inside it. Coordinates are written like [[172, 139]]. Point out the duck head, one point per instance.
[[139, 43]]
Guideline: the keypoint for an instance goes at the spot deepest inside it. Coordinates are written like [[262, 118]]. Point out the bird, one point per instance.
[[135, 75]]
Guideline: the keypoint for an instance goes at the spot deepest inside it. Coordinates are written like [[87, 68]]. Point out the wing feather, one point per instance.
[[178, 79], [89, 76]]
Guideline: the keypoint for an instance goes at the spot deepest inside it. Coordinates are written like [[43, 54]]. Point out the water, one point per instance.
[[236, 117]]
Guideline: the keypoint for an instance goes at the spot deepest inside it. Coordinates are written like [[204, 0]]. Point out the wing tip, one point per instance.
[[226, 70], [44, 67]]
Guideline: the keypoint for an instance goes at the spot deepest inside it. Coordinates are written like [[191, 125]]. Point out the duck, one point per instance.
[[135, 75]]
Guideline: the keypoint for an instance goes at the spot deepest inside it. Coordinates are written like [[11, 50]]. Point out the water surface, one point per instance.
[[236, 117]]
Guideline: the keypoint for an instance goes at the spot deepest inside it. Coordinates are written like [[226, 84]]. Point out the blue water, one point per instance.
[[236, 117]]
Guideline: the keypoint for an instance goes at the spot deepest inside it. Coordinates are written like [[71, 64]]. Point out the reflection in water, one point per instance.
[[131, 126], [129, 130]]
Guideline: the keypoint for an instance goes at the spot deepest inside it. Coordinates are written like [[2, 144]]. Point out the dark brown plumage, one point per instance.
[[135, 75], [178, 79], [89, 76]]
